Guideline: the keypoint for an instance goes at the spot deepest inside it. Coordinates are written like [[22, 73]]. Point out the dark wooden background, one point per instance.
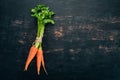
[[84, 43]]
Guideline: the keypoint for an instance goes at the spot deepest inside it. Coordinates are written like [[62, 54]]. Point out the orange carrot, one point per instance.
[[43, 64], [31, 55], [39, 59]]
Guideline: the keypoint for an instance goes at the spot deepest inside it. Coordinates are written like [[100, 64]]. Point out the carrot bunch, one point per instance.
[[44, 16]]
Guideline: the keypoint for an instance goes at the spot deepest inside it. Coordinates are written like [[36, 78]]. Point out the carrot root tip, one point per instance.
[[25, 69], [38, 72]]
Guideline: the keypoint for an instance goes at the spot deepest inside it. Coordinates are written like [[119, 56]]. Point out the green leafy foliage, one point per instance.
[[43, 14]]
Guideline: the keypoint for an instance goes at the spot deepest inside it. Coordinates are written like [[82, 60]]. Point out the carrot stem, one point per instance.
[[40, 29]]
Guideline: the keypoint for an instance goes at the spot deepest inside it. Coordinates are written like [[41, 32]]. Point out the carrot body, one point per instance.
[[31, 55], [39, 59], [43, 64]]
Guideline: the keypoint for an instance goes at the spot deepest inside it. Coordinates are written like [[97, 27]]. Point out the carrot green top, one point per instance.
[[44, 16]]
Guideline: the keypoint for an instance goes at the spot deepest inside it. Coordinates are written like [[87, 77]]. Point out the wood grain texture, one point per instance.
[[84, 43]]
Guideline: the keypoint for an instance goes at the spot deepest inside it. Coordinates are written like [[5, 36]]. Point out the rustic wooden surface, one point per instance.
[[84, 43]]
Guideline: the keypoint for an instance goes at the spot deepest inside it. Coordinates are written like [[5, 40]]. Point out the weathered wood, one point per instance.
[[84, 43]]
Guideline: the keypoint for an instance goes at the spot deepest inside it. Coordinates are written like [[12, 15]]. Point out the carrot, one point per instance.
[[43, 64], [39, 59], [31, 55], [44, 16]]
